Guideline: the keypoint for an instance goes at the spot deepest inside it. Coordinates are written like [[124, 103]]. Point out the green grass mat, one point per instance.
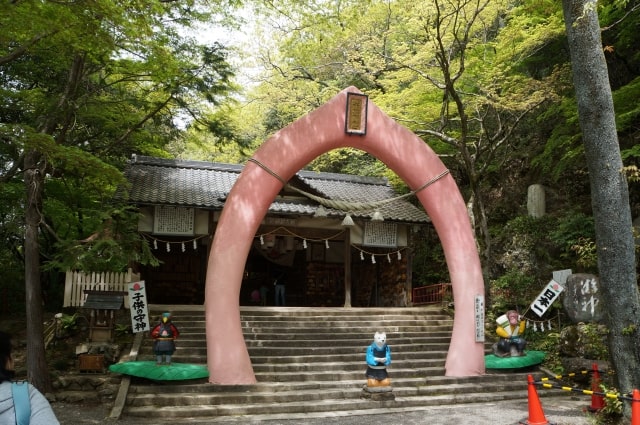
[[150, 370], [491, 361]]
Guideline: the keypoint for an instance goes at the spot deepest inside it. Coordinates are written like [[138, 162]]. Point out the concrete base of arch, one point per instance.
[[277, 160]]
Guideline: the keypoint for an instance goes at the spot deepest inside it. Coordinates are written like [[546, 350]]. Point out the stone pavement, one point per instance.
[[558, 409]]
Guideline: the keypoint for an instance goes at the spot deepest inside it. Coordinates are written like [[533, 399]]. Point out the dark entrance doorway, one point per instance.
[[179, 279]]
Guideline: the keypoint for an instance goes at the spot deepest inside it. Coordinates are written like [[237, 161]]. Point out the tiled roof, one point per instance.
[[201, 184]]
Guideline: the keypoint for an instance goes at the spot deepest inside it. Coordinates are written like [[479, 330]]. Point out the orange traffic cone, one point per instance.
[[597, 401], [536, 415], [635, 408]]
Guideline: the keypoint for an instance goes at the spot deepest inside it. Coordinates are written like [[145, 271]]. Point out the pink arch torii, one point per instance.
[[284, 154]]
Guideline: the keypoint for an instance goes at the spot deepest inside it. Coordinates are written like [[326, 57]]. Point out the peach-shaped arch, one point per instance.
[[284, 154]]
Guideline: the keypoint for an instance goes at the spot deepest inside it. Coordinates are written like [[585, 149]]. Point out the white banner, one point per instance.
[[138, 307], [548, 295], [479, 316]]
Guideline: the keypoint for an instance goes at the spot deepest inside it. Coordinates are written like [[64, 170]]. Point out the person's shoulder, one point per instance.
[[33, 391], [5, 388], [41, 411]]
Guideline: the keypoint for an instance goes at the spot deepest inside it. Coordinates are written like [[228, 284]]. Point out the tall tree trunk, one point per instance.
[[37, 371], [609, 191], [35, 170]]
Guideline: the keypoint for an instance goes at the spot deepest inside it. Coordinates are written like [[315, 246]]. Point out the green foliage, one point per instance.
[[612, 412], [429, 264], [524, 245], [12, 290], [348, 161], [547, 342], [627, 112], [85, 87], [537, 246], [629, 330], [585, 251], [563, 150], [66, 324], [592, 337], [530, 249], [563, 154], [113, 247], [122, 329], [574, 235], [514, 288]]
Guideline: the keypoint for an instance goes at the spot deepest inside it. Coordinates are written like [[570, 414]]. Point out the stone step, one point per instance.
[[398, 345], [403, 334], [209, 411], [313, 346], [296, 329], [301, 312], [201, 386], [405, 355], [415, 381], [349, 391], [354, 338], [291, 353], [267, 357], [345, 366], [339, 375], [270, 314], [309, 361]]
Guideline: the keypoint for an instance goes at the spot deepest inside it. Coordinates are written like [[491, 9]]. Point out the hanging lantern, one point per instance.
[[326, 243], [362, 255], [195, 245], [388, 258], [399, 256], [155, 244], [183, 248], [168, 247], [373, 259], [304, 243]]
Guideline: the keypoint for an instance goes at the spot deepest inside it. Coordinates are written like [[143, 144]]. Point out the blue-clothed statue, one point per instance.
[[378, 358]]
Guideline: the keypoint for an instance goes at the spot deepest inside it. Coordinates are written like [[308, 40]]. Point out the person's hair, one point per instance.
[[5, 354]]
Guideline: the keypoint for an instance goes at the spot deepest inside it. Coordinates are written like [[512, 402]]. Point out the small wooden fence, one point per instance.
[[76, 283], [432, 294]]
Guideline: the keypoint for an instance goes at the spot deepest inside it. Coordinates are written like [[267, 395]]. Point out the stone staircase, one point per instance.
[[310, 361]]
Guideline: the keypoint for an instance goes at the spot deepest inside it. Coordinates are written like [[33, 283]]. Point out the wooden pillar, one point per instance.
[[347, 268], [408, 285]]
